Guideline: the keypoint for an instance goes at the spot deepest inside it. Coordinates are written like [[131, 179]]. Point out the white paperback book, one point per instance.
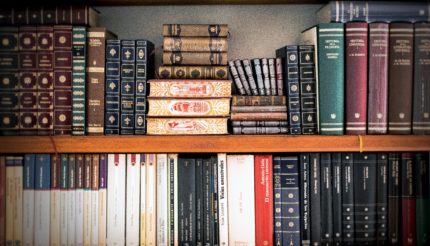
[[162, 222], [241, 208], [151, 200], [42, 194], [95, 200], [116, 199], [222, 199], [55, 202], [87, 200], [142, 199], [28, 200], [102, 200], [79, 227], [132, 200]]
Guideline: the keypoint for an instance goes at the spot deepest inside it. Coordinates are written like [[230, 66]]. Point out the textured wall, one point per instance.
[[256, 30]]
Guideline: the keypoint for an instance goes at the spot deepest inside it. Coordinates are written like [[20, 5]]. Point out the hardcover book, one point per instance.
[[408, 202], [64, 168], [259, 76], [308, 90], [259, 130], [260, 116], [186, 126], [188, 107], [259, 101], [248, 70], [128, 85], [186, 200], [272, 75], [250, 109], [266, 78], [112, 87], [336, 171], [305, 222], [79, 220], [259, 123], [243, 78], [347, 199], [237, 81], [195, 30], [279, 76], [162, 203], [195, 44], [190, 88], [87, 200], [382, 199], [394, 186], [315, 198], [422, 193], [55, 201], [71, 200], [277, 201], [208, 204], [194, 58], [326, 199], [28, 199], [193, 72]]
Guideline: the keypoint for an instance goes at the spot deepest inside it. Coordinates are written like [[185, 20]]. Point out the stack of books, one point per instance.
[[186, 105]]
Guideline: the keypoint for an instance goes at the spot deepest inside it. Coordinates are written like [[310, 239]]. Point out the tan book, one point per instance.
[[18, 190], [194, 58], [189, 107], [186, 126], [190, 88], [195, 44], [195, 30], [260, 116], [193, 72]]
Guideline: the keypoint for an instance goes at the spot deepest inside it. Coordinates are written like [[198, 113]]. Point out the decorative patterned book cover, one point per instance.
[[237, 81], [308, 90], [377, 111], [128, 85], [112, 107], [96, 43], [190, 88], [422, 192], [305, 205], [258, 72], [266, 78], [331, 78], [356, 57], [194, 58], [259, 101], [62, 80], [279, 76], [79, 51], [242, 76], [394, 209], [260, 130], [186, 126], [408, 202], [421, 103], [272, 75], [326, 211], [189, 107], [250, 76], [9, 81], [195, 44], [347, 199], [250, 109], [250, 123], [382, 199], [195, 30], [400, 78], [193, 72], [260, 116]]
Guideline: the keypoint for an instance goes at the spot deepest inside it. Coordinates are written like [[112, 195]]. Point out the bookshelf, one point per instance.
[[189, 2]]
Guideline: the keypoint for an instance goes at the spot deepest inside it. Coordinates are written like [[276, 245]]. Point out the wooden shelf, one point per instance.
[[212, 144], [201, 2]]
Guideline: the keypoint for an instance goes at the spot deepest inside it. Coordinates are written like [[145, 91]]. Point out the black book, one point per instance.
[[422, 192], [326, 200], [336, 170], [214, 192], [259, 76], [305, 230], [207, 202], [172, 166], [315, 199], [394, 198], [365, 198], [199, 201], [347, 199], [187, 201], [381, 199]]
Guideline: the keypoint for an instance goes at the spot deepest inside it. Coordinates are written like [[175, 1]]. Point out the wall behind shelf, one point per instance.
[[256, 30]]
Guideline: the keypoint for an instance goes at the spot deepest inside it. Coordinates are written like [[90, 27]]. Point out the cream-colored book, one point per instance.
[[10, 200], [142, 199], [42, 203], [103, 200], [17, 219], [162, 196], [28, 200], [63, 200], [132, 200], [55, 204], [79, 228], [87, 201], [151, 200], [222, 199]]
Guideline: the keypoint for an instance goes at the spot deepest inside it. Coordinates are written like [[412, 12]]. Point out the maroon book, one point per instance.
[[400, 78], [356, 77], [408, 224], [378, 79], [62, 80]]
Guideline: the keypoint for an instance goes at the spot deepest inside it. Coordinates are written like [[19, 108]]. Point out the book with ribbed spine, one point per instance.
[[408, 202], [78, 80], [336, 171], [194, 58], [55, 210], [394, 216], [128, 85], [308, 89], [112, 87], [263, 186], [260, 116], [305, 222], [266, 76], [42, 207], [279, 76], [258, 100], [195, 30], [258, 73], [272, 75], [79, 199], [260, 130], [277, 201], [195, 44], [151, 199], [71, 200], [251, 123], [132, 200], [249, 109], [64, 168], [422, 192], [237, 81], [190, 88], [250, 76], [382, 199], [102, 211], [28, 199], [188, 107], [348, 199], [315, 198], [95, 178], [193, 72], [241, 71], [186, 126], [162, 196]]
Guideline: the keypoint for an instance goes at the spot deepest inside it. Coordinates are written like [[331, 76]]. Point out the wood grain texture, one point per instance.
[[192, 2], [211, 144]]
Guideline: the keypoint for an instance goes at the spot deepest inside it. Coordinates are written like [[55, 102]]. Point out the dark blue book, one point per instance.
[[347, 199], [305, 205], [113, 48], [315, 196], [326, 200], [308, 90], [277, 200], [128, 84]]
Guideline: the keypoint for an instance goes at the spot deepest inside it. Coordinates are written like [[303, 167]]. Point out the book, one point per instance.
[[71, 200], [259, 116], [408, 202], [223, 199], [215, 202], [128, 84], [195, 44], [279, 77], [250, 123], [377, 106], [151, 199], [42, 207], [195, 30], [142, 203], [162, 203], [55, 201], [208, 225], [172, 163], [240, 169], [174, 88], [394, 214], [263, 185], [331, 77], [79, 213], [2, 199], [132, 201], [250, 76], [112, 87], [308, 89], [304, 170], [421, 87], [243, 78], [237, 81], [326, 199], [348, 224], [28, 199], [189, 107], [277, 201], [315, 198], [63, 80], [250, 109], [102, 211], [200, 211], [79, 52], [95, 74], [382, 199], [356, 58], [266, 78], [64, 172], [258, 100], [371, 11], [116, 199], [422, 197], [10, 204], [194, 58], [258, 73], [400, 75], [94, 218], [187, 126], [193, 72], [336, 171], [186, 200], [257, 130], [272, 75], [87, 200]]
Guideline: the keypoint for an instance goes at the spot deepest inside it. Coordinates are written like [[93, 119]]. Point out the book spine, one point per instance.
[[128, 84], [45, 79], [308, 89], [381, 199], [272, 74], [63, 198], [186, 126], [259, 130], [326, 200], [377, 110], [189, 107], [116, 198], [42, 207], [87, 200], [142, 217], [55, 201], [400, 74], [223, 199], [214, 192], [260, 116], [421, 103], [248, 70], [28, 199], [259, 77], [394, 198], [237, 81], [279, 77], [277, 201], [199, 202], [408, 202], [347, 199], [195, 30], [195, 44], [172, 191], [102, 208], [365, 173], [79, 50], [315, 198], [9, 82], [95, 177], [193, 72], [293, 93], [71, 200], [27, 80], [331, 78], [242, 76], [62, 80], [112, 87], [207, 203], [132, 199], [305, 222], [336, 160], [259, 123], [10, 205], [259, 100], [266, 77], [249, 109], [356, 56], [151, 199], [162, 196], [190, 88], [422, 197], [186, 200], [194, 58], [79, 220], [241, 218], [2, 199]]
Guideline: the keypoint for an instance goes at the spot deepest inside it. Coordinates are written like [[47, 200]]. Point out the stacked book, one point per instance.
[[195, 97]]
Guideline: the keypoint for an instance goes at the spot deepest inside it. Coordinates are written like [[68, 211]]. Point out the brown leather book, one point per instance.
[[194, 58], [260, 116], [195, 30], [259, 101], [195, 44], [192, 72]]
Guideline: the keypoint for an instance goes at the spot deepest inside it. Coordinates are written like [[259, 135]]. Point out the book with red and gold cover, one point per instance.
[[189, 107], [190, 88], [186, 126]]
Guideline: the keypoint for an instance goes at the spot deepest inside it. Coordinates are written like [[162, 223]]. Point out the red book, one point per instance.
[[378, 79], [408, 200], [356, 77], [263, 199]]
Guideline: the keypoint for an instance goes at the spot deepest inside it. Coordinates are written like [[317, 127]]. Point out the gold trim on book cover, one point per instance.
[[188, 88], [189, 107], [186, 126]]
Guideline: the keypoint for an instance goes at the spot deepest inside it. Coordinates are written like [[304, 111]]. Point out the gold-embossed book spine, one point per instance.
[[192, 72], [195, 30], [195, 44], [194, 58]]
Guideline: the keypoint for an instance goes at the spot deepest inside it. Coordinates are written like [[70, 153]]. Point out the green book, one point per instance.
[[331, 78], [422, 198], [78, 80]]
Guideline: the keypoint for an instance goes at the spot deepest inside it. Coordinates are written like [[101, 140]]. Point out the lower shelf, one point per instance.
[[213, 144]]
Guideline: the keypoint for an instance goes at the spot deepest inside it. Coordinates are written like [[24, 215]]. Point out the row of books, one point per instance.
[[171, 199]]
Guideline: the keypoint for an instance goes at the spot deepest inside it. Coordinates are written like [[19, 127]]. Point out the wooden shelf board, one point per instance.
[[201, 2], [211, 144]]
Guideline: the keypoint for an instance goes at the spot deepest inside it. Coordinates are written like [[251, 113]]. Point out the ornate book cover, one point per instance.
[[260, 130], [237, 81], [112, 87], [194, 58], [308, 90], [242, 76], [195, 30], [259, 101], [259, 76], [272, 75], [79, 51], [190, 88], [128, 85], [195, 44], [186, 126], [260, 116], [193, 72], [189, 107], [382, 199], [250, 76], [347, 199]]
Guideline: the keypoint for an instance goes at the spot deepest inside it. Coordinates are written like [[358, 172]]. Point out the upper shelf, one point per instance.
[[212, 144], [202, 2]]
